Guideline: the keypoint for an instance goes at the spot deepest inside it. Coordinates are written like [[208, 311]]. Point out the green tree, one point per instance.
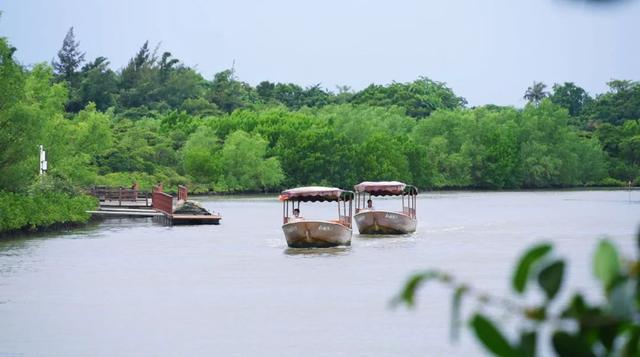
[[98, 84], [570, 97], [621, 144], [289, 94], [75, 146], [27, 102], [419, 98], [200, 157], [620, 103], [69, 59], [245, 165], [549, 152], [230, 94], [137, 79], [536, 93]]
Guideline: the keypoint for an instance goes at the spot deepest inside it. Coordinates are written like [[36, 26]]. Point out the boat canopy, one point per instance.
[[386, 188], [315, 194]]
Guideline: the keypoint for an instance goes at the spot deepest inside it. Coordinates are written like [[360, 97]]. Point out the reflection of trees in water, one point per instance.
[[16, 248]]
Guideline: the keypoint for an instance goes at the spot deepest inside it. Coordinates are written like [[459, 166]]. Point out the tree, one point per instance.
[[137, 79], [265, 91], [289, 94], [75, 145], [536, 93], [69, 58], [570, 97], [27, 102], [143, 59], [315, 96], [200, 156], [245, 165], [230, 94], [621, 143], [620, 103], [419, 98], [166, 65], [98, 84]]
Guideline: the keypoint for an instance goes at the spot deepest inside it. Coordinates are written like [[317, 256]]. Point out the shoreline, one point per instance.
[[441, 190], [31, 232]]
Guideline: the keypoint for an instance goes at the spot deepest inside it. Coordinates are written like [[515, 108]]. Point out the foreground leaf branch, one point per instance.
[[608, 328]]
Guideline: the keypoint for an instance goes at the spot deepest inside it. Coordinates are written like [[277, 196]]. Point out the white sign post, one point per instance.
[[43, 161]]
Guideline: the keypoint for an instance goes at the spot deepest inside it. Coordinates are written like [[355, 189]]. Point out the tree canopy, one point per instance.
[[158, 119]]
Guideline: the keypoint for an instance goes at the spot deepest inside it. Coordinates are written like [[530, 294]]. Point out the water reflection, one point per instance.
[[383, 236], [20, 239], [318, 252]]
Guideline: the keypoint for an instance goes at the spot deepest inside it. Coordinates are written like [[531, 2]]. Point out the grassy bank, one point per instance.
[[38, 211]]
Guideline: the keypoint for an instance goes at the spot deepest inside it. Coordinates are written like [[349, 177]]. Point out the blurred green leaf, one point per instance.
[[567, 345], [526, 262], [622, 299], [491, 337], [606, 264], [576, 307], [550, 278], [455, 311], [407, 295], [632, 347], [527, 346], [608, 334]]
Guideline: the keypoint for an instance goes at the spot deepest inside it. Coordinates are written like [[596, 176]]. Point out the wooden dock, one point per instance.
[[165, 204], [122, 197], [121, 202], [125, 212]]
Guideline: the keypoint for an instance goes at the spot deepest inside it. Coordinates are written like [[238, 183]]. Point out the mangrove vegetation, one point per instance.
[[159, 120]]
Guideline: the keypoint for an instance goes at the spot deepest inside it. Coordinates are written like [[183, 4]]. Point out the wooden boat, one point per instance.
[[307, 233], [372, 221]]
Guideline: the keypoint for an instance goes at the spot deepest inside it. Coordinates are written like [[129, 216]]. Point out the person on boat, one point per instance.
[[296, 215], [369, 204]]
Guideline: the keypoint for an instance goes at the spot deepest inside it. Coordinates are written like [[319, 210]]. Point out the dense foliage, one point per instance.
[[42, 209], [574, 327], [159, 120]]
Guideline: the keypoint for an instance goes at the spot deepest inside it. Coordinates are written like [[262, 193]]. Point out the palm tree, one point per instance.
[[536, 93]]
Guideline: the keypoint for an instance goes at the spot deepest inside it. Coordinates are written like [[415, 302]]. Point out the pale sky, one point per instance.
[[488, 51]]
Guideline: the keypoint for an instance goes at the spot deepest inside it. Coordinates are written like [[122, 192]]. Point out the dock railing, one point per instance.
[[120, 196], [163, 202], [183, 193]]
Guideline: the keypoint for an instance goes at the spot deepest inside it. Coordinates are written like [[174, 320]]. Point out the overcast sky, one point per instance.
[[488, 51]]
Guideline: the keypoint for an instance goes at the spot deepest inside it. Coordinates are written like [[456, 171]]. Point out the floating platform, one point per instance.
[[125, 212], [187, 219], [163, 208], [164, 218]]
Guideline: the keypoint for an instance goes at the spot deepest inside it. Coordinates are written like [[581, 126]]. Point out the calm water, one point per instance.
[[132, 287]]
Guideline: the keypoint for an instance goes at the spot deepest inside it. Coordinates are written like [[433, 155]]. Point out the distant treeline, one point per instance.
[[156, 120]]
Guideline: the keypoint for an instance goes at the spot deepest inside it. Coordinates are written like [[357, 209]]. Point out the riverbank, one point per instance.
[[42, 211], [36, 213], [434, 190]]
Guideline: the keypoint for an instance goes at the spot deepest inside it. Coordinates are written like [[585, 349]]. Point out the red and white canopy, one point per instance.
[[315, 193], [385, 188]]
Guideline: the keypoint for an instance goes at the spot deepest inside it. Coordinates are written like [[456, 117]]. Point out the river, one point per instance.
[[133, 287]]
